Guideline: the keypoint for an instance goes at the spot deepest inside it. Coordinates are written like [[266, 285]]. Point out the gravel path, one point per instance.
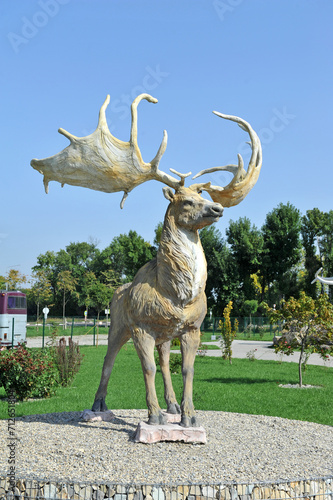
[[240, 447]]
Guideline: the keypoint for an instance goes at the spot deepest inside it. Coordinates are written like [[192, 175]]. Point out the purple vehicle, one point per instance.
[[13, 318]]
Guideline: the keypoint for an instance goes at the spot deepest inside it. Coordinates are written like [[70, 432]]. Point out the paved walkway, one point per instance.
[[240, 348]]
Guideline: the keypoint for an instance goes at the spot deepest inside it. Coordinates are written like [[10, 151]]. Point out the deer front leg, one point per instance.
[[145, 344], [116, 340], [189, 343], [169, 394]]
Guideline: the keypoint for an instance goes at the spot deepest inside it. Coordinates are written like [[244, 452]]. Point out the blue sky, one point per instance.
[[268, 61]]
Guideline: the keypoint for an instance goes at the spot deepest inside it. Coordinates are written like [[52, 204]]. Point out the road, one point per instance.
[[240, 349]]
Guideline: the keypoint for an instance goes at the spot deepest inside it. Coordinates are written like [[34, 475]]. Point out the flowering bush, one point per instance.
[[28, 372], [227, 333]]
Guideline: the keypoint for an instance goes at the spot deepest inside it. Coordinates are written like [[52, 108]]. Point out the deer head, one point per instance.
[[102, 162], [190, 210]]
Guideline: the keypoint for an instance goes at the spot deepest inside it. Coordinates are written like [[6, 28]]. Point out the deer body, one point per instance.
[[165, 300]]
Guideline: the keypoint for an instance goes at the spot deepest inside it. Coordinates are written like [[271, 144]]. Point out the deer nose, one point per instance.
[[217, 209]]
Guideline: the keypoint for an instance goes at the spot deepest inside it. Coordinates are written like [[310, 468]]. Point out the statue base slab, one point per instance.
[[146, 433], [97, 416]]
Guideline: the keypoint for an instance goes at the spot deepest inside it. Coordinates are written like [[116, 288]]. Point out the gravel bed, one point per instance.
[[240, 447]]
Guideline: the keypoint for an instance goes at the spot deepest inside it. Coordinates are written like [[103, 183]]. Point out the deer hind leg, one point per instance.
[[189, 343], [145, 344], [116, 340], [169, 394]]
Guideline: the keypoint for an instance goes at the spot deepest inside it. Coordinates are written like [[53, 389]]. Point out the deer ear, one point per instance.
[[168, 193]]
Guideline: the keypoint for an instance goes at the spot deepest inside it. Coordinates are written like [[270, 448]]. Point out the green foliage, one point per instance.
[[281, 250], [222, 278], [228, 333], [249, 307], [175, 363], [28, 372], [175, 342], [246, 244], [311, 322]]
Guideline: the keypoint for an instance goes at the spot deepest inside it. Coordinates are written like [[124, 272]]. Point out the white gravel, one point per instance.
[[240, 447]]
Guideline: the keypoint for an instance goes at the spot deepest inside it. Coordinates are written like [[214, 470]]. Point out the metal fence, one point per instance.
[[246, 325], [44, 489]]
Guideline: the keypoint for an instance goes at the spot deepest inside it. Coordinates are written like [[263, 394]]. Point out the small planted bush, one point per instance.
[[67, 359], [28, 372]]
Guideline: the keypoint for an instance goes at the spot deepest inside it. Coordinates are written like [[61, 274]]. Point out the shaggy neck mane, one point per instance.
[[181, 264]]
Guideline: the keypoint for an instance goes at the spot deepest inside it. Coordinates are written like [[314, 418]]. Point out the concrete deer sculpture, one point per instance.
[[167, 296]]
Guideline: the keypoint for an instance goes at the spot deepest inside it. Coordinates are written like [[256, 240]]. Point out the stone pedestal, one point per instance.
[[97, 416], [146, 433]]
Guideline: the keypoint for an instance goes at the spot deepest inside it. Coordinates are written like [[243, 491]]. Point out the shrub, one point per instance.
[[67, 360], [228, 333], [175, 342], [175, 363], [28, 373]]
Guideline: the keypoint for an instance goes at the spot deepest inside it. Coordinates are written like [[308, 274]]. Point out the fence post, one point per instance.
[[94, 329], [72, 328], [43, 331], [13, 330]]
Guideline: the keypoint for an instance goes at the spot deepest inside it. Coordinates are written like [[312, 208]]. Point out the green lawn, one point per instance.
[[32, 331], [243, 387]]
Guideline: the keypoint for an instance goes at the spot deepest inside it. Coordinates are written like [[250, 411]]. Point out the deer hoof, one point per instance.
[[159, 419], [173, 408], [189, 421], [99, 405]]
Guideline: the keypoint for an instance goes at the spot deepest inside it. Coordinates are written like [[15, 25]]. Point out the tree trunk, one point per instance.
[[37, 314], [63, 311], [300, 365]]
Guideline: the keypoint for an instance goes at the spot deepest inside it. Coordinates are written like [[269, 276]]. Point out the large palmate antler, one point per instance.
[[243, 181], [102, 162]]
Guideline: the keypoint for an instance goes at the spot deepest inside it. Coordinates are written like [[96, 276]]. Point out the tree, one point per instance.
[[246, 244], [40, 291], [281, 250], [158, 233], [2, 282], [86, 285], [310, 323], [126, 254], [311, 229], [222, 285], [250, 307], [101, 295], [66, 284], [15, 278]]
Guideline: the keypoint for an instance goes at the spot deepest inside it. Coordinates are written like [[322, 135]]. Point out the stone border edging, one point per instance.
[[47, 489]]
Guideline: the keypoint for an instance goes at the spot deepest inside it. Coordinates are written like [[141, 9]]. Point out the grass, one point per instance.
[[32, 331], [243, 387]]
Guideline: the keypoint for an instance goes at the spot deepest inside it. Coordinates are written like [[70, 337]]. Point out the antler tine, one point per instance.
[[243, 180], [156, 174]]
